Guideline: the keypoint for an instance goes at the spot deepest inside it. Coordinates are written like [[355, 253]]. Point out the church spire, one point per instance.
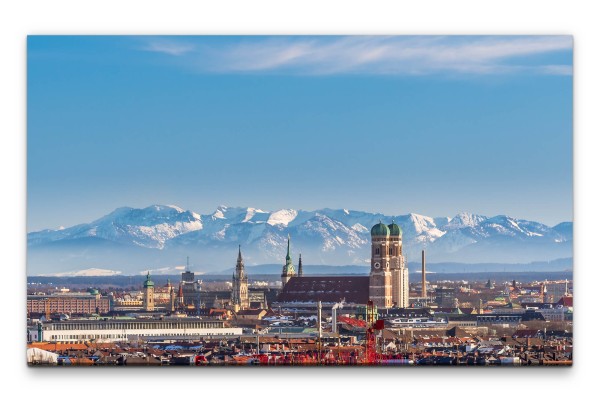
[[288, 269], [239, 266], [288, 258], [300, 273], [239, 293]]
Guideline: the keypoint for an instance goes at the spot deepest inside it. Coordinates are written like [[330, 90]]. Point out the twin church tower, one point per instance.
[[388, 280], [387, 285]]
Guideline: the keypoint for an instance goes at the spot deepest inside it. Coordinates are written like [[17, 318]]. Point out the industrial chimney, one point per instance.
[[319, 306], [423, 279]]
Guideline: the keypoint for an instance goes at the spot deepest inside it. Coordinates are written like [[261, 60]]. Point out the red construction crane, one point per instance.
[[372, 357], [370, 340]]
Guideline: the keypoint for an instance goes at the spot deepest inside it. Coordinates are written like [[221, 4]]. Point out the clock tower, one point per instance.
[[239, 291], [397, 267], [380, 278]]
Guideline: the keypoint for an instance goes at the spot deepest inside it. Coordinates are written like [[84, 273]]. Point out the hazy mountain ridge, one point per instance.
[[163, 235]]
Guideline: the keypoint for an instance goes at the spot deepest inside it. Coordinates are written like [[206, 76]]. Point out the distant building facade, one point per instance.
[[68, 303], [555, 290], [190, 291], [257, 299], [444, 297], [119, 330]]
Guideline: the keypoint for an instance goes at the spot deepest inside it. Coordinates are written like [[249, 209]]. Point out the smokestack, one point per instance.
[[423, 280], [334, 310], [319, 318]]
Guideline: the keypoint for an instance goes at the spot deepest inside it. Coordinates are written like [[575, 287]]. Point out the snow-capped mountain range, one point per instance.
[[160, 235]]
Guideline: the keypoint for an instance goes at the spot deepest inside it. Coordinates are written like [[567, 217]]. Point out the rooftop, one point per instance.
[[354, 289]]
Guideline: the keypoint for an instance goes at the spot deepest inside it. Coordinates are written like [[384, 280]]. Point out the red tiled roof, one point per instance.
[[81, 361], [351, 321], [354, 289], [566, 301], [58, 347], [525, 333]]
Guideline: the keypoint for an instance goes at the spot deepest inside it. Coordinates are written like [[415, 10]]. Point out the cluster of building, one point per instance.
[[410, 347], [380, 318]]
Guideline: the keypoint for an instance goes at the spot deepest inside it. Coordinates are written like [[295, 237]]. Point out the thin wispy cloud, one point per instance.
[[169, 47], [393, 55]]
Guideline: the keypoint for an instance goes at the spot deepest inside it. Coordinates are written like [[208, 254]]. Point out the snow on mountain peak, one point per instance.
[[360, 228], [282, 217], [252, 213], [465, 219], [220, 212], [91, 272], [165, 208], [328, 235], [421, 229], [174, 207], [150, 227], [508, 226], [421, 223]]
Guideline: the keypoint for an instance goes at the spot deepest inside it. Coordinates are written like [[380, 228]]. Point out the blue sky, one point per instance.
[[431, 125]]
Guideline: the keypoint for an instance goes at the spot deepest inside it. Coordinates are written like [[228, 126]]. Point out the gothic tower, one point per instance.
[[239, 293], [380, 278], [300, 272], [288, 269], [397, 267], [148, 294]]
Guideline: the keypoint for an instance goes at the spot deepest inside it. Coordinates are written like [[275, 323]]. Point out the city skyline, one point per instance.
[[450, 124]]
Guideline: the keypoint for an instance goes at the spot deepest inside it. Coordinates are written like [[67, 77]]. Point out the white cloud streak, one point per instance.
[[168, 47], [392, 55]]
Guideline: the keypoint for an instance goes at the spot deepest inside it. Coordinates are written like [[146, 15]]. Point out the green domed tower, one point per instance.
[[380, 230], [148, 282], [395, 230], [148, 294]]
